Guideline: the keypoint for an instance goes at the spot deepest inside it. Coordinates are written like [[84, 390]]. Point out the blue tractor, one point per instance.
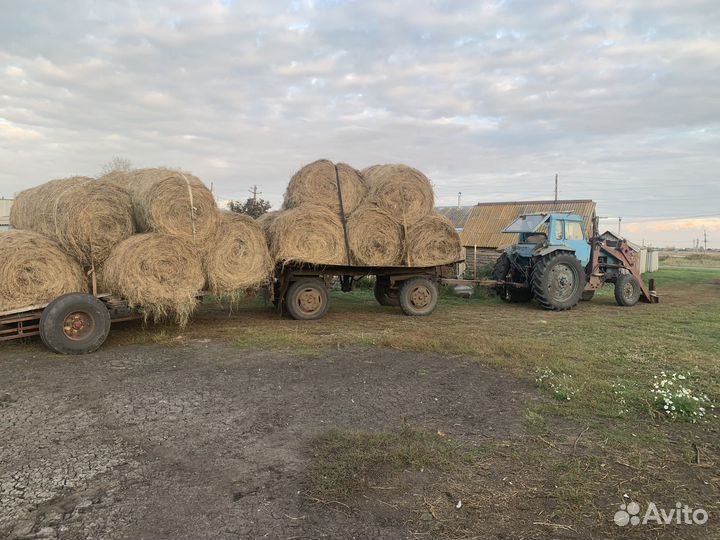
[[556, 263]]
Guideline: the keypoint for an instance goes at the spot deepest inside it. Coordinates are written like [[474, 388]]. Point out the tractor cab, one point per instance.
[[541, 233]]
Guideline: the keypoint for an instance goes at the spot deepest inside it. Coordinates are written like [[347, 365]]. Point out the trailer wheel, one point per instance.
[[74, 323], [384, 294], [418, 297], [627, 290], [307, 299], [558, 280]]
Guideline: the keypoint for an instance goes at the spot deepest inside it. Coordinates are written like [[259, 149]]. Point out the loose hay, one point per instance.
[[238, 258], [308, 234], [316, 184], [35, 270], [158, 273], [433, 241], [376, 238], [401, 190], [171, 202], [86, 217]]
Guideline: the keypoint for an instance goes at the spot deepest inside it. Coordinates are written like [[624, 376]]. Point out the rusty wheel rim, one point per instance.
[[628, 291], [309, 301], [78, 325], [420, 296]]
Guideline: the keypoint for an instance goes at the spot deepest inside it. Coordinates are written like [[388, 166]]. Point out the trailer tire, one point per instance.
[[627, 290], [307, 299], [418, 297], [74, 323], [384, 294], [558, 280]]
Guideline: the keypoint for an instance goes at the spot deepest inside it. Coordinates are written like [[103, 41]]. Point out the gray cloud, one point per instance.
[[490, 99]]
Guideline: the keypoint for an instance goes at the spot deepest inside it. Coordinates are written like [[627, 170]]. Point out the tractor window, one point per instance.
[[559, 230], [573, 231]]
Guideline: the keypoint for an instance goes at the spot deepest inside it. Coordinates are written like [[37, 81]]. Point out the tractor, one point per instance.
[[555, 263]]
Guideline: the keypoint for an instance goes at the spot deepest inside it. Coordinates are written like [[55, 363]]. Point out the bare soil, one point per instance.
[[207, 440]]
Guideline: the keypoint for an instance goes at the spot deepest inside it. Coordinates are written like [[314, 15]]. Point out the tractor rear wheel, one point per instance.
[[558, 280], [384, 294], [509, 294], [627, 290]]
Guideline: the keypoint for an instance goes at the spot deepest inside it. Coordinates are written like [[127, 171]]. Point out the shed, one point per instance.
[[480, 226], [5, 205]]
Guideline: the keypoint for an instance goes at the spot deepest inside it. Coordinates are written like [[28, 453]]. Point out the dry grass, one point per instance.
[[157, 273], [307, 234], [35, 270], [170, 202], [86, 217], [404, 192], [238, 258], [433, 241], [376, 238], [316, 184]]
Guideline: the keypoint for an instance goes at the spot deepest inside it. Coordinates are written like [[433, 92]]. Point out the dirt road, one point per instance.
[[206, 440]]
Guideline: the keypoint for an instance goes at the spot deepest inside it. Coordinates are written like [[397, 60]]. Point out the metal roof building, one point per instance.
[[5, 205], [482, 225]]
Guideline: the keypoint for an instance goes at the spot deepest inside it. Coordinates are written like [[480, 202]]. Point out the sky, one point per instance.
[[489, 99]]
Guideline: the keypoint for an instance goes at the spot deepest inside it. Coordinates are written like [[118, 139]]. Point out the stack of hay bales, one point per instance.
[[152, 236], [389, 211]]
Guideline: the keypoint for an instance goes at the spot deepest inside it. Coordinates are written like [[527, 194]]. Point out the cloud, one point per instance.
[[490, 98]]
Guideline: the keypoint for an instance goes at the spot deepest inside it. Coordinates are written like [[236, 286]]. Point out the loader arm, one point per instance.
[[624, 254]]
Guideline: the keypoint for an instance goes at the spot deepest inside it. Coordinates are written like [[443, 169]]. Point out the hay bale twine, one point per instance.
[[401, 190], [238, 258], [316, 184], [433, 241], [86, 217], [171, 202], [307, 234], [158, 273], [35, 270], [376, 238]]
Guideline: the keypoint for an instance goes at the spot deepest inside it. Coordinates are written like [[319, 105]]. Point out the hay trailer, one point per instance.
[[302, 290], [74, 323]]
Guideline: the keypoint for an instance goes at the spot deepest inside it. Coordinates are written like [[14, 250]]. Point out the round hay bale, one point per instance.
[[171, 202], [308, 234], [316, 184], [86, 217], [401, 190], [238, 258], [265, 221], [376, 238], [158, 273], [35, 270], [433, 241]]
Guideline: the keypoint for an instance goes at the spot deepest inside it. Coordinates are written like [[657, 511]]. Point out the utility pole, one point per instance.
[[556, 185], [459, 198], [705, 238], [619, 224], [255, 192]]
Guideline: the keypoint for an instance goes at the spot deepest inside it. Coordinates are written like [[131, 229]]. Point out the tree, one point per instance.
[[253, 207], [117, 163]]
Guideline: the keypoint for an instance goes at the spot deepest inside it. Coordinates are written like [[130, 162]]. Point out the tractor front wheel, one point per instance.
[[558, 280], [507, 293], [627, 290]]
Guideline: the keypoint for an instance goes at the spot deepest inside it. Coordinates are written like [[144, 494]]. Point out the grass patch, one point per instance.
[[345, 462]]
